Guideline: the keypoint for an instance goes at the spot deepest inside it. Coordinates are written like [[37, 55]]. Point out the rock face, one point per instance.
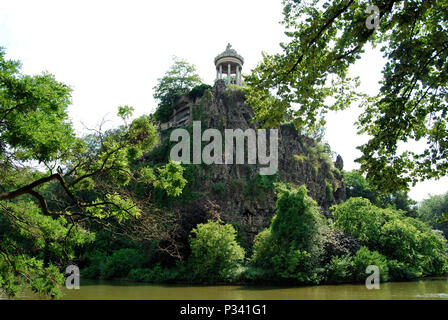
[[244, 197]]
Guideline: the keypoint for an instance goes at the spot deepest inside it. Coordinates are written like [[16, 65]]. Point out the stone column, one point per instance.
[[238, 75], [241, 77], [228, 73], [220, 71], [217, 73]]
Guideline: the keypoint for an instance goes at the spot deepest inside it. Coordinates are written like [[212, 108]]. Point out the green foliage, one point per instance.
[[292, 246], [215, 254], [198, 111], [199, 90], [360, 218], [257, 275], [79, 180], [190, 174], [400, 238], [34, 274], [256, 186], [297, 220], [399, 271], [339, 269], [295, 264], [265, 248], [326, 38], [114, 206], [34, 122], [300, 157], [358, 186], [433, 210], [179, 79], [363, 258], [97, 263], [164, 111], [171, 179], [125, 112], [121, 262], [32, 247], [412, 102]]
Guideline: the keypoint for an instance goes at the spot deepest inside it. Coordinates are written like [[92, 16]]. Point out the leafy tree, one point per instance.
[[179, 79], [326, 38], [364, 258], [433, 210], [121, 262], [404, 239], [44, 212], [339, 269], [171, 179], [214, 251], [358, 186], [125, 112], [33, 120], [199, 90], [362, 219], [292, 245], [401, 271]]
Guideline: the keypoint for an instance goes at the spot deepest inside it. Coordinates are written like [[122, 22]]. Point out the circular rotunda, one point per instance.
[[231, 63]]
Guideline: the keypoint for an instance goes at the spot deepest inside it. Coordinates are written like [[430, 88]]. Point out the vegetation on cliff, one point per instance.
[[115, 205]]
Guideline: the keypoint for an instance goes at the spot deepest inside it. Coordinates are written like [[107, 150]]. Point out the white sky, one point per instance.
[[112, 52]]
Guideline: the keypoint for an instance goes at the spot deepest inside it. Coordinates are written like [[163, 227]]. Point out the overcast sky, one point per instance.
[[112, 52]]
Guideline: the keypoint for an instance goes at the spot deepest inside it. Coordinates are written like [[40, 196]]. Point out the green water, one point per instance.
[[435, 288]]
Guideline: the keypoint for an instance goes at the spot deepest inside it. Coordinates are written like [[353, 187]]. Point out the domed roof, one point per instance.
[[229, 52]]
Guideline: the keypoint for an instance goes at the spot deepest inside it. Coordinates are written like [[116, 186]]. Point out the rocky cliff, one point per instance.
[[237, 193]]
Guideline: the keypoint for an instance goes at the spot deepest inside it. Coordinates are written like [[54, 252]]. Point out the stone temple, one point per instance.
[[228, 63], [231, 63]]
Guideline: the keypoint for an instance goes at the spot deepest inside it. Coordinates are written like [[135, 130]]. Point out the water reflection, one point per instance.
[[436, 288]]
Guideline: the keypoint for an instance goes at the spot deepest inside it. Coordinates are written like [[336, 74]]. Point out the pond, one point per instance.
[[431, 288]]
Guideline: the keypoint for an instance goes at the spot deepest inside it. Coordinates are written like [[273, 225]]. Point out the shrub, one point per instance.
[[257, 275], [339, 269], [163, 112], [214, 251], [295, 264], [199, 90], [97, 263], [297, 220], [400, 240], [121, 262], [264, 249], [292, 245], [401, 271], [361, 218], [363, 258], [432, 210], [394, 235]]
